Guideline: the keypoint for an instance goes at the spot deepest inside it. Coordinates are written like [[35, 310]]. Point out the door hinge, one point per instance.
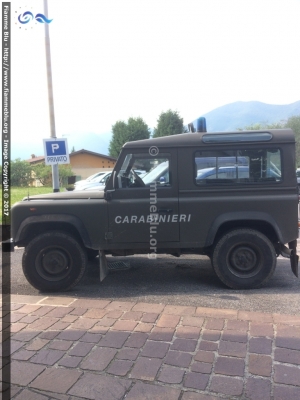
[[108, 235]]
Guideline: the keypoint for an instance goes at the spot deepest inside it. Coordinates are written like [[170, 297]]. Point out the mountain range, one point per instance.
[[244, 113], [225, 118]]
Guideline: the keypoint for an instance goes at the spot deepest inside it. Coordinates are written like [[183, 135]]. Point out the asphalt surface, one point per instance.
[[186, 281]]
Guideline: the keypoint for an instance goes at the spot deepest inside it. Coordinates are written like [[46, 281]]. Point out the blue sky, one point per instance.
[[116, 59]]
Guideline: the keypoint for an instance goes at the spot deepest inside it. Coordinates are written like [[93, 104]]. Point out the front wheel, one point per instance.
[[244, 259], [54, 261]]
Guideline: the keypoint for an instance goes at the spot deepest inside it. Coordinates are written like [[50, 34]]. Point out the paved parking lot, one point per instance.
[[68, 348], [168, 330]]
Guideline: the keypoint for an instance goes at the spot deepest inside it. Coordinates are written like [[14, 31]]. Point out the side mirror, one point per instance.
[[108, 194]]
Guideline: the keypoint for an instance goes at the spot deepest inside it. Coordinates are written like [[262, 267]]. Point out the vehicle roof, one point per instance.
[[195, 139]]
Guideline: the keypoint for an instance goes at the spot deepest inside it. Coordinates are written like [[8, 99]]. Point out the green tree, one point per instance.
[[119, 137], [134, 129], [20, 173], [64, 171], [44, 173], [168, 123], [294, 123], [260, 126], [137, 129]]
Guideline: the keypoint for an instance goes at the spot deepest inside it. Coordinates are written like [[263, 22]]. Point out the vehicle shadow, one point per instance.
[[188, 280], [167, 275]]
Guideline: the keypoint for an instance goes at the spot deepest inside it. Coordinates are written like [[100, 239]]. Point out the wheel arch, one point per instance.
[[35, 225], [259, 221]]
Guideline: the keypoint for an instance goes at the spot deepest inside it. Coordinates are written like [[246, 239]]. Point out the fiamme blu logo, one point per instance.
[[27, 16]]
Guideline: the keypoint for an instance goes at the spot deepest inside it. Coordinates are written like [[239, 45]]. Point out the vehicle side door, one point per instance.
[[144, 209]]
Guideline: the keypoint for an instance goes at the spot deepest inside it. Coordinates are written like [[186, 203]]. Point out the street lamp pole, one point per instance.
[[55, 176]]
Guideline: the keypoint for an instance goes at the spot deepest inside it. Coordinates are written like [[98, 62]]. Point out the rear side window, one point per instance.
[[238, 166]]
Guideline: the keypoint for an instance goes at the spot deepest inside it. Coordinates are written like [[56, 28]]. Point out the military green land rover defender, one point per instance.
[[232, 196]]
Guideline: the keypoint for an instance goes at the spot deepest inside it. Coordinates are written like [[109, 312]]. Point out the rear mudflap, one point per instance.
[[291, 253]]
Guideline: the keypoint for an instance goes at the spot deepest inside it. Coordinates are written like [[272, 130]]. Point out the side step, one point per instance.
[[105, 267]]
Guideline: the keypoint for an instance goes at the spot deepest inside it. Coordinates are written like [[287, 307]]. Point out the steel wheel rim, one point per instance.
[[245, 261], [53, 264]]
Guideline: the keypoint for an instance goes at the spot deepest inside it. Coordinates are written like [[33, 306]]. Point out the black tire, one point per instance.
[[244, 259], [54, 261]]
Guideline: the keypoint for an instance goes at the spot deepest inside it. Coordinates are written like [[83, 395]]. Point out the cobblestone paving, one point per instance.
[[67, 349]]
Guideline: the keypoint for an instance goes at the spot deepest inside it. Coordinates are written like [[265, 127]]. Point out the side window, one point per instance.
[[238, 166], [140, 170]]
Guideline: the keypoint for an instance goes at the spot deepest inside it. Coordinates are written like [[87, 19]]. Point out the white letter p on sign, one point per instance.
[[54, 147]]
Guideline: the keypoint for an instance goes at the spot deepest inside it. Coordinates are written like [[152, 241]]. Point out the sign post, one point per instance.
[[55, 175]]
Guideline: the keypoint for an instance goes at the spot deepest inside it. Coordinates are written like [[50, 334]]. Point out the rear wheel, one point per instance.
[[54, 261], [244, 259]]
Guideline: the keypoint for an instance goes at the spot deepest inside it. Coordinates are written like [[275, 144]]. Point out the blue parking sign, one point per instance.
[[56, 148], [56, 151]]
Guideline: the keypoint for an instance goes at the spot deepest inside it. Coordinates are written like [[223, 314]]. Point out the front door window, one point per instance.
[[139, 170]]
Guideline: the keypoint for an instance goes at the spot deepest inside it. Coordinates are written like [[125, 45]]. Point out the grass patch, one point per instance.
[[18, 193]]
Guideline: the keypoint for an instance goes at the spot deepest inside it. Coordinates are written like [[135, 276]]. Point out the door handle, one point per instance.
[[165, 210]]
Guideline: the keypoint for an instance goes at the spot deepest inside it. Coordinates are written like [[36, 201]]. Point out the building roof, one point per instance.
[[35, 160], [92, 153]]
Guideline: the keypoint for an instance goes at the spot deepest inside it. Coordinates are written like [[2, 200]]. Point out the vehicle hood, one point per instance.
[[90, 186], [68, 195]]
